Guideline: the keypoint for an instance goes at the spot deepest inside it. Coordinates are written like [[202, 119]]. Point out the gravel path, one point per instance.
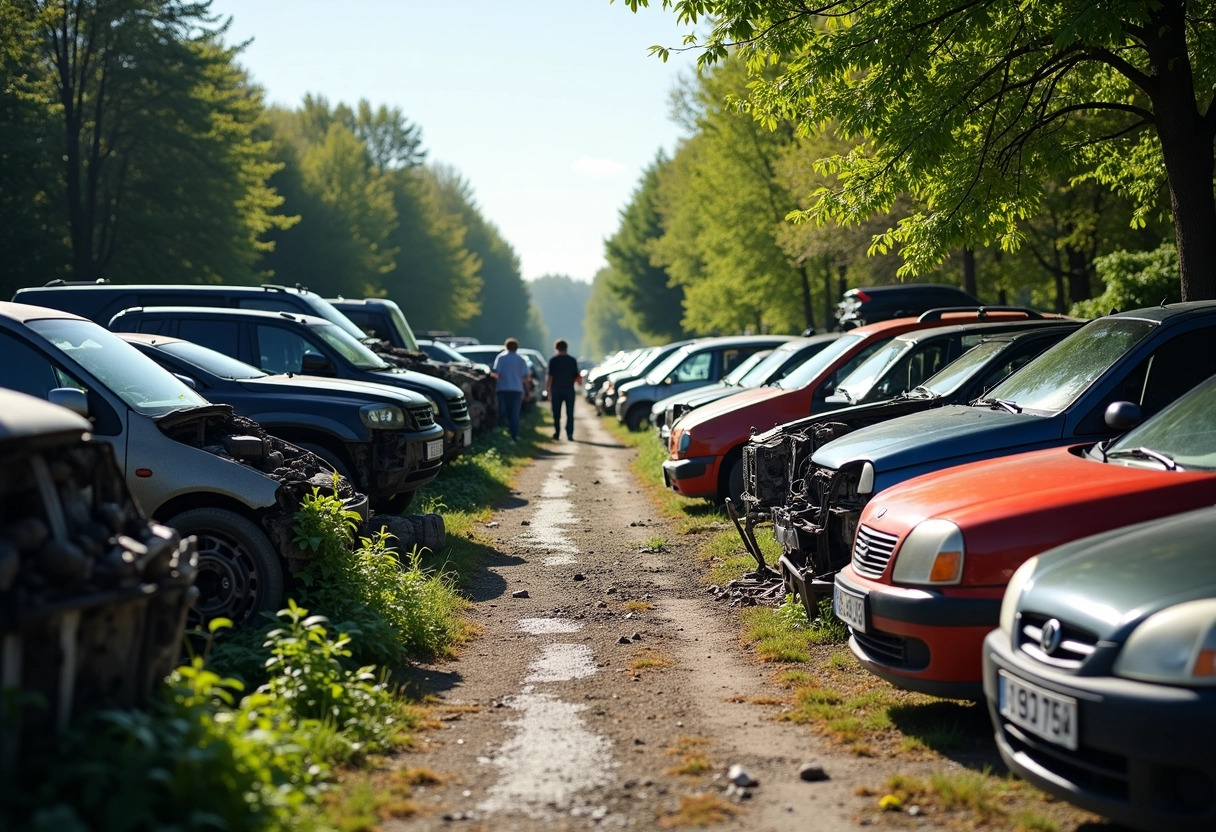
[[552, 724]]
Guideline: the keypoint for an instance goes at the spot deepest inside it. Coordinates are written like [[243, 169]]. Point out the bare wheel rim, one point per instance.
[[228, 579]]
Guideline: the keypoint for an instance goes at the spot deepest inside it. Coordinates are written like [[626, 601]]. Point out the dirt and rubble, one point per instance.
[[604, 663], [477, 385]]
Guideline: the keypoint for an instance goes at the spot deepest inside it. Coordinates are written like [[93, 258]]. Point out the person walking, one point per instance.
[[563, 373], [509, 371]]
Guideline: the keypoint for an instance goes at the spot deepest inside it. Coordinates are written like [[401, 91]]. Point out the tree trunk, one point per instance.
[[969, 272], [808, 313], [1078, 275], [1186, 147]]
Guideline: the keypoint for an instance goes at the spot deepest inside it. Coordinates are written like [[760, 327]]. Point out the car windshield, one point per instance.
[[402, 326], [1057, 377], [640, 361], [954, 374], [139, 381], [349, 347], [216, 363], [437, 348], [1183, 433], [742, 376], [856, 385], [820, 361]]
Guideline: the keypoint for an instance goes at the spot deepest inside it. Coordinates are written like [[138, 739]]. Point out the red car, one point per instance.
[[933, 555], [706, 444]]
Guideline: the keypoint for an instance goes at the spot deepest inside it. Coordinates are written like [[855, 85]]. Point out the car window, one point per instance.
[[732, 358], [829, 385], [221, 336], [25, 369], [213, 361], [1184, 431], [280, 350], [745, 369], [961, 369], [812, 368], [349, 348], [694, 368], [1057, 377], [908, 371]]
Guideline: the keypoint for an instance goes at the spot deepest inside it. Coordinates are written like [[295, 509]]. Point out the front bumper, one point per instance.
[[1140, 758], [922, 639], [404, 461], [695, 477]]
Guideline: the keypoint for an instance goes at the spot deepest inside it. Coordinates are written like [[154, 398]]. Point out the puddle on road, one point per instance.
[[551, 758], [544, 626], [561, 663], [554, 514]]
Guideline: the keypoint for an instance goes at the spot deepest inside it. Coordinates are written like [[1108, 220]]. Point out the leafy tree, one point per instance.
[[604, 326], [1134, 279], [971, 107], [147, 163], [653, 303], [562, 301], [391, 141]]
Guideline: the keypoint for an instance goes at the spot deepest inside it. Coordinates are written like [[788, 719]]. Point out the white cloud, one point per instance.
[[598, 168]]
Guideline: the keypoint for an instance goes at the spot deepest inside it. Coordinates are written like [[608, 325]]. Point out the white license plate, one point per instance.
[[467, 437], [849, 608], [1041, 712], [434, 449]]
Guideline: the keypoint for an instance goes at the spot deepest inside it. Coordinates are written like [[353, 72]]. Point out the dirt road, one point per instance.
[[611, 668]]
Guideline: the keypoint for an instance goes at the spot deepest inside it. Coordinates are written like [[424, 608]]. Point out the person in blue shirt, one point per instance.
[[509, 371]]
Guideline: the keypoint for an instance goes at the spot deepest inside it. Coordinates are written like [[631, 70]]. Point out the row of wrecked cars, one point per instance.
[[1016, 514]]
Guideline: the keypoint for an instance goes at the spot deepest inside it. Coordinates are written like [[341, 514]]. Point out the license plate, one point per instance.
[[849, 608], [467, 437], [1041, 712], [434, 449]]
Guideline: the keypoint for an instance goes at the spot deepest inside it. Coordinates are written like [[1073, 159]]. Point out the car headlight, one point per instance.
[[382, 416], [1013, 593], [683, 443], [932, 553], [1174, 646], [434, 405], [623, 396]]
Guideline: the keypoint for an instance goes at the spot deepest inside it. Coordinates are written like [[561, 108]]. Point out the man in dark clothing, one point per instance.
[[563, 372]]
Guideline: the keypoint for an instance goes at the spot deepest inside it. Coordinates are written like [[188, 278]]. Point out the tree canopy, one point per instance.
[[972, 108]]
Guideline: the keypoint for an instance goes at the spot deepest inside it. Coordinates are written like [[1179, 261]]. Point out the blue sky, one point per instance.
[[550, 109]]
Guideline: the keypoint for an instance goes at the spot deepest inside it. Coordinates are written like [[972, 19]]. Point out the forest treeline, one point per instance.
[[1036, 161], [137, 149], [1054, 153]]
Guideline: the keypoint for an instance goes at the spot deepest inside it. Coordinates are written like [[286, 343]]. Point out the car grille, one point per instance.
[[422, 416], [1075, 645], [459, 408], [1096, 771], [872, 551]]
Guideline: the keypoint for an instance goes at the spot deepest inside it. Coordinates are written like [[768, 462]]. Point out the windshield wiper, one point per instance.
[[1003, 404], [1167, 461], [919, 392], [840, 391]]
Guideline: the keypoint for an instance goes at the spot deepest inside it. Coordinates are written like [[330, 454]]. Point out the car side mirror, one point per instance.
[[315, 364], [1123, 416], [73, 399]]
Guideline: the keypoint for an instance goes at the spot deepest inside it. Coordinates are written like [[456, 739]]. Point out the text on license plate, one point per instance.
[[434, 449], [849, 608], [1041, 712]]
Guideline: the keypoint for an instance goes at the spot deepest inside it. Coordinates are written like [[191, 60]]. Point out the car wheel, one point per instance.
[[239, 572], [734, 484], [637, 416], [394, 503], [332, 459]]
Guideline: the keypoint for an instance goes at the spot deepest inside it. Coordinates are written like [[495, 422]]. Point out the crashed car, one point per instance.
[[777, 462], [190, 464], [1148, 357], [1100, 702], [384, 440], [705, 455], [390, 336], [933, 554]]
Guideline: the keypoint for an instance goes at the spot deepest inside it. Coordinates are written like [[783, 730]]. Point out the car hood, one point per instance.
[[744, 401], [939, 435], [1109, 583], [429, 382], [331, 388], [700, 395], [1051, 495]]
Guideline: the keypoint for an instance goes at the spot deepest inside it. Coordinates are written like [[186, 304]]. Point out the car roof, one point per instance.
[[25, 312], [980, 327], [225, 312], [907, 287]]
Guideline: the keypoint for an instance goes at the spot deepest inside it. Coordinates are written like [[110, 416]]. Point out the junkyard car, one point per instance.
[[288, 343], [777, 463], [643, 363], [706, 449], [872, 304], [694, 365], [190, 464], [933, 555], [1101, 681], [383, 439], [1148, 357], [598, 374]]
